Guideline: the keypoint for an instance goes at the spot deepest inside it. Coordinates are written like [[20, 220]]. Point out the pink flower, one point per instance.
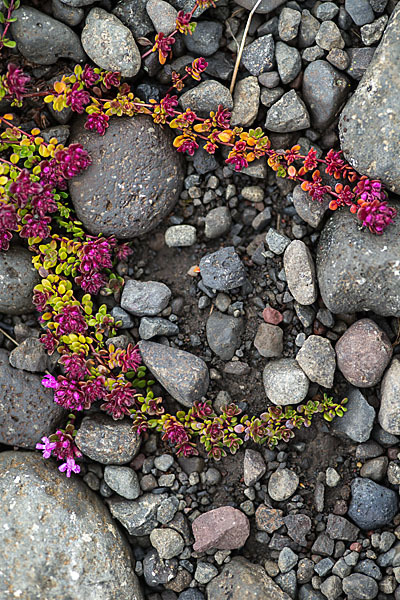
[[47, 447], [44, 202], [222, 117], [15, 81], [123, 252], [48, 340], [35, 226], [23, 187], [93, 390], [77, 98], [376, 215], [49, 381], [97, 122], [51, 174], [238, 161], [112, 79], [89, 77], [169, 103], [95, 255], [74, 365], [73, 160], [188, 145], [68, 395], [130, 359], [8, 223], [118, 401], [69, 467], [71, 320], [92, 283]]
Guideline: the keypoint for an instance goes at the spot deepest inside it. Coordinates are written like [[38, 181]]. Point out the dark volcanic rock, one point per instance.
[[222, 270], [58, 539], [134, 181], [17, 280], [324, 91], [372, 505]]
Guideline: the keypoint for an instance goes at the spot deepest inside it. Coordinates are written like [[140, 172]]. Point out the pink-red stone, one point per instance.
[[223, 528], [272, 316]]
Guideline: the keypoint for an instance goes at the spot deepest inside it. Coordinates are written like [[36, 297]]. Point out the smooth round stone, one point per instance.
[[300, 273], [107, 441], [245, 102], [134, 180], [123, 481], [167, 542], [282, 484], [162, 15], [179, 236], [372, 505], [58, 539], [205, 97], [285, 382], [17, 280]]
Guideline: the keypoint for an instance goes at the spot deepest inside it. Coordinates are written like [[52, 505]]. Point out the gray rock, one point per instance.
[[285, 382], [145, 298], [309, 28], [245, 102], [269, 340], [179, 236], [329, 36], [372, 505], [300, 273], [254, 467], [258, 57], [17, 280], [241, 578], [317, 359], [224, 334], [64, 518], [167, 510], [338, 58], [120, 196], [152, 326], [123, 481], [389, 413], [269, 97], [356, 424], [282, 484], [326, 11], [298, 526], [167, 542], [61, 132], [205, 572], [120, 314], [368, 567], [182, 374], [375, 469], [162, 15], [324, 566], [220, 65], [363, 353], [313, 53], [222, 270], [288, 61], [205, 40], [218, 221], [163, 462], [67, 14], [137, 516], [368, 126], [205, 97], [360, 59], [339, 528], [78, 3], [110, 44], [360, 586], [289, 21], [27, 409], [372, 33], [332, 587], [378, 6], [30, 355], [287, 560], [277, 242], [309, 210], [324, 90], [349, 259], [157, 571], [288, 114], [42, 39], [107, 441], [269, 80], [133, 14], [360, 11]]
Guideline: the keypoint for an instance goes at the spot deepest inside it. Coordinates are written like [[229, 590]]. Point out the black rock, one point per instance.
[[372, 505], [222, 270]]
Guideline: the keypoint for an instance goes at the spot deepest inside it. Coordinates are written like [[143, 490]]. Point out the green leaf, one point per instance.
[[9, 43], [2, 18]]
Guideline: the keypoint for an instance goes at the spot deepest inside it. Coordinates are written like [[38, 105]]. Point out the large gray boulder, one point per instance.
[[17, 280], [369, 125], [57, 538], [358, 270]]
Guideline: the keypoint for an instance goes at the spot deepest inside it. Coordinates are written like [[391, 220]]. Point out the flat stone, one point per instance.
[[360, 11], [110, 44], [120, 196], [17, 280], [67, 14], [183, 375], [300, 273], [222, 270], [30, 355], [376, 468], [288, 114], [205, 97], [277, 242], [268, 519], [349, 259], [258, 57], [27, 409], [372, 505], [107, 441], [269, 340], [42, 39], [179, 236], [288, 61], [285, 382], [157, 571], [123, 481], [224, 334], [324, 91], [65, 519], [223, 528], [139, 517], [389, 413], [339, 528], [245, 102], [369, 123], [363, 353], [357, 422], [372, 33], [287, 560], [317, 359], [282, 484], [152, 326], [206, 38], [254, 467], [298, 527], [242, 579], [360, 59], [309, 27], [358, 585], [145, 298]]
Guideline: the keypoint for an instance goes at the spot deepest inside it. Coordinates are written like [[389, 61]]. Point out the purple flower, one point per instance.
[[95, 255], [118, 401], [93, 390], [376, 215], [8, 223], [75, 365], [112, 79], [77, 98], [15, 81], [49, 381], [51, 174], [44, 202], [35, 226], [68, 395], [92, 283], [97, 122], [48, 340], [238, 161], [71, 320], [89, 77], [23, 187], [73, 160], [47, 447], [69, 467]]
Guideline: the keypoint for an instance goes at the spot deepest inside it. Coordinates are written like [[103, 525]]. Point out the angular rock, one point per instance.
[[123, 481], [349, 259], [258, 57], [300, 273], [369, 124], [324, 91], [317, 359], [277, 242], [289, 21], [17, 280], [133, 14], [152, 326], [110, 44], [329, 36], [205, 97], [360, 11], [268, 519], [357, 422], [389, 413], [372, 33], [269, 340], [218, 221], [222, 270], [372, 505], [288, 114], [254, 467], [285, 382], [30, 355], [120, 196], [65, 519], [242, 579], [358, 585], [339, 528], [288, 61], [27, 409], [42, 39], [224, 334], [157, 571], [360, 59], [363, 353], [167, 542], [162, 15], [182, 374], [309, 28], [287, 560], [139, 517], [309, 210], [145, 298], [298, 527], [107, 441], [282, 484], [245, 102], [205, 40], [223, 528], [265, 6], [270, 97]]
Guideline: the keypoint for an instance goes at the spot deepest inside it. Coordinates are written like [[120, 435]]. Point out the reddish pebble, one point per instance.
[[137, 462], [223, 528], [393, 453], [356, 547], [272, 316]]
